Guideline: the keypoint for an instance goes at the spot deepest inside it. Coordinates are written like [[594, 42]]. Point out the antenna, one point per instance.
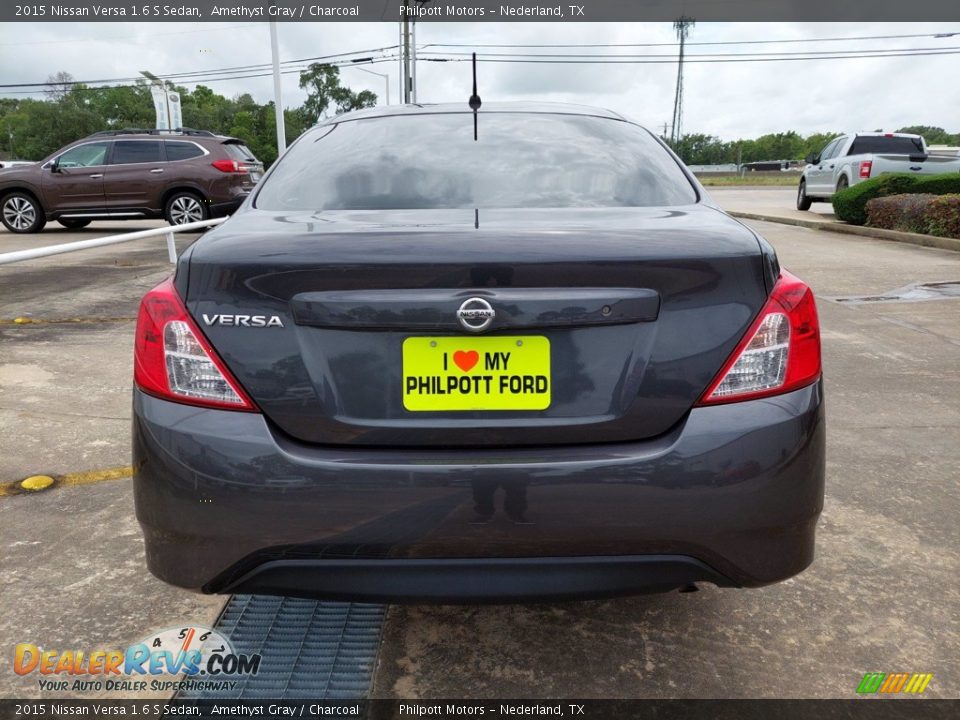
[[474, 101]]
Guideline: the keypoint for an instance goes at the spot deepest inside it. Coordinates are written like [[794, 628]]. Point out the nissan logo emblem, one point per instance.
[[475, 314]]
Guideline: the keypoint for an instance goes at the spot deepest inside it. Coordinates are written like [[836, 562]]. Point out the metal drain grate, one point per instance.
[[310, 649], [916, 292]]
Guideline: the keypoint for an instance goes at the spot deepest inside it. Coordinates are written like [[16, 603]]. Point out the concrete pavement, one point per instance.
[[768, 200], [72, 563], [881, 594]]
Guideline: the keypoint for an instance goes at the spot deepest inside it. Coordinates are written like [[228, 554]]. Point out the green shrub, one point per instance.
[[899, 212], [850, 205], [943, 184], [943, 216]]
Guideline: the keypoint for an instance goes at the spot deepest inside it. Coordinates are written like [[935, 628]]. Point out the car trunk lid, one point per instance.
[[628, 313]]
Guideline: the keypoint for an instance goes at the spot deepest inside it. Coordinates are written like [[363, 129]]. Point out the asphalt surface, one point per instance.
[[881, 596]]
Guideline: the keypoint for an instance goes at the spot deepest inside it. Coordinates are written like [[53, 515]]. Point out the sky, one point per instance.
[[730, 100]]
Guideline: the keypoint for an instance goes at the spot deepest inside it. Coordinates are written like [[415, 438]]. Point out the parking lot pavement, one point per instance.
[[768, 200], [71, 563], [881, 595]]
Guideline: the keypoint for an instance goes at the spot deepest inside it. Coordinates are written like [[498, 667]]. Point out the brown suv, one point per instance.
[[183, 176]]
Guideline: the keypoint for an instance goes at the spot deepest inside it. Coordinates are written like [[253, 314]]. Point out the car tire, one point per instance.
[[803, 202], [21, 213], [185, 207], [842, 183], [73, 223]]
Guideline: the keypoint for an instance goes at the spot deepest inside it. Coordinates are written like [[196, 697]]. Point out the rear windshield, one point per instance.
[[880, 145], [518, 160], [239, 151]]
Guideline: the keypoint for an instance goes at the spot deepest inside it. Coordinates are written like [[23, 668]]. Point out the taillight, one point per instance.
[[230, 166], [174, 361], [780, 351], [865, 168]]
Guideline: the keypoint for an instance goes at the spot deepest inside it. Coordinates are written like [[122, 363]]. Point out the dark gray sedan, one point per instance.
[[504, 355]]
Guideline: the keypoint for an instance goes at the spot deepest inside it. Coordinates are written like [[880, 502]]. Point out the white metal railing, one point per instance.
[[32, 253]]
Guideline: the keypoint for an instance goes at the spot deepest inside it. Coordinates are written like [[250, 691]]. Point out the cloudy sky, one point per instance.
[[729, 99]]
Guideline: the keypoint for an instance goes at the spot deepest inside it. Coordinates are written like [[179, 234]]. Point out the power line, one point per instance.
[[672, 56], [289, 71], [565, 58], [238, 74], [676, 44], [187, 76], [282, 62], [612, 61]]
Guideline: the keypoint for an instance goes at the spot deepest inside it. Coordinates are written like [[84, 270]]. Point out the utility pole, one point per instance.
[[413, 61], [405, 43], [682, 27], [408, 51], [277, 99]]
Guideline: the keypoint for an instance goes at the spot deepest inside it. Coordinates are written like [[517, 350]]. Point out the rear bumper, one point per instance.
[[730, 496], [476, 580], [227, 207]]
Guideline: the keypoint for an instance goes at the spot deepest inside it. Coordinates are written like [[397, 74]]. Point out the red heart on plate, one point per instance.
[[466, 359]]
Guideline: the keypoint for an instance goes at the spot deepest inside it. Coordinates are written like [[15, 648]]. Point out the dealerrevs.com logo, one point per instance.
[[203, 656]]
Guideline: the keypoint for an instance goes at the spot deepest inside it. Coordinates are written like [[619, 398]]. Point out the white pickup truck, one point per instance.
[[848, 159]]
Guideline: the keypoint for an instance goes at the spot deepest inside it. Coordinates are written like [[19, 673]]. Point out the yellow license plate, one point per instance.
[[483, 373]]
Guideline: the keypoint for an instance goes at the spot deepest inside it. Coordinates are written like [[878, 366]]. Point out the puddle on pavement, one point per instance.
[[915, 292]]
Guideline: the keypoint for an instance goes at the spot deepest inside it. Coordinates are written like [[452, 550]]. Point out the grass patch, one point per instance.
[[784, 180]]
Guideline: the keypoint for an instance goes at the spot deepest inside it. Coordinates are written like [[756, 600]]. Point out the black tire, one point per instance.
[[185, 207], [842, 183], [21, 213], [73, 223], [803, 202]]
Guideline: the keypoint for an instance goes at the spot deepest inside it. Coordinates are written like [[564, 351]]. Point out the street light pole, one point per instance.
[[277, 99], [385, 76]]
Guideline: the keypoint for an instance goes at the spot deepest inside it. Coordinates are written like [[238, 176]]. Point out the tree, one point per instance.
[[59, 85], [933, 135], [698, 149], [322, 83], [817, 141], [120, 106]]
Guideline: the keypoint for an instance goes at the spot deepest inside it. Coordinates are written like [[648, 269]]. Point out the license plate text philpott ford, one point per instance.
[[468, 373]]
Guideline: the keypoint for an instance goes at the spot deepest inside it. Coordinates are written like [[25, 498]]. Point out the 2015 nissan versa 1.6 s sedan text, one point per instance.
[[479, 356]]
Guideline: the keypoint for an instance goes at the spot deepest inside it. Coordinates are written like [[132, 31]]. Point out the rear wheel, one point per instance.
[[842, 183], [21, 213], [803, 202], [185, 207], [73, 223]]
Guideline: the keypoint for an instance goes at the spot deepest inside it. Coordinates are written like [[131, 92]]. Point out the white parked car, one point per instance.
[[849, 159]]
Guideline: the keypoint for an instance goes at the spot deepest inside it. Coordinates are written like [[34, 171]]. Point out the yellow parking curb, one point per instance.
[[65, 321], [39, 483]]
